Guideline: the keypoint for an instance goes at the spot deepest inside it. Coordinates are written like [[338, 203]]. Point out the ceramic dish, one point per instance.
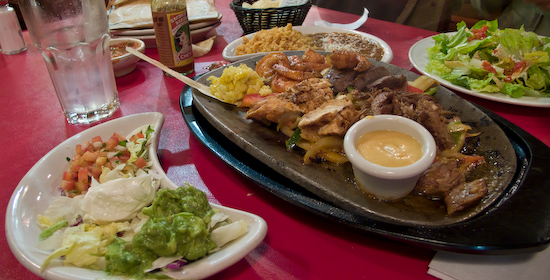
[[39, 186], [229, 51], [335, 182], [506, 225], [126, 62], [419, 59]]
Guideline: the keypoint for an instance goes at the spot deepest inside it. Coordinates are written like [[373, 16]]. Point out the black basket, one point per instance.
[[253, 20]]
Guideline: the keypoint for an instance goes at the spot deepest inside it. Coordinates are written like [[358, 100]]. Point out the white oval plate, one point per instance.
[[40, 185], [229, 51], [419, 59]]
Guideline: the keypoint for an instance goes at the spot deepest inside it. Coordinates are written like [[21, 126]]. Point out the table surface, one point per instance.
[[298, 244]]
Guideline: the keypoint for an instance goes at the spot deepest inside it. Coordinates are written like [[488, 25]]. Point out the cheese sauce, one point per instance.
[[389, 148]]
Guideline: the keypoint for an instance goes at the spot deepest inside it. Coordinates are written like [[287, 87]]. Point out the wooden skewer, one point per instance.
[[192, 83]]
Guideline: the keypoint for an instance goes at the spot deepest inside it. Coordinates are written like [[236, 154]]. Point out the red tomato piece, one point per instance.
[[111, 143], [414, 89], [488, 67], [137, 136], [79, 150], [67, 185], [67, 176], [97, 139], [250, 99], [119, 137], [83, 175], [140, 162]]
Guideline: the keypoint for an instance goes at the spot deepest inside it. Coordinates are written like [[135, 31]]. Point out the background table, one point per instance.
[[298, 245]]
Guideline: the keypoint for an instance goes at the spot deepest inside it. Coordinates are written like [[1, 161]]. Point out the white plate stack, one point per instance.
[[135, 20]]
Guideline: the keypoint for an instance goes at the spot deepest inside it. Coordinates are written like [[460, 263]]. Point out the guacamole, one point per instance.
[[177, 226]]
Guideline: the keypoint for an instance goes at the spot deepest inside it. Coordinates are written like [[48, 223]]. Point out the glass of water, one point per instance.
[[73, 36]]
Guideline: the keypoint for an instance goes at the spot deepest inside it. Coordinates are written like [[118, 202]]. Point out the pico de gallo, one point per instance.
[[99, 159]]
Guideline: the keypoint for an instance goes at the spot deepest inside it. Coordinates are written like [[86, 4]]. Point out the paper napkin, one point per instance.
[[453, 266]]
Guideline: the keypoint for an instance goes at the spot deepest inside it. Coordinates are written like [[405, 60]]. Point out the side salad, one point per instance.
[[126, 224], [490, 60]]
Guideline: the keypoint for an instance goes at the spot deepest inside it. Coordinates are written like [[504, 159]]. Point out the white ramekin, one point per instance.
[[388, 183]]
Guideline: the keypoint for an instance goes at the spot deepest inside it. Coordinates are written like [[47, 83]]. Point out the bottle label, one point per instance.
[[179, 35]]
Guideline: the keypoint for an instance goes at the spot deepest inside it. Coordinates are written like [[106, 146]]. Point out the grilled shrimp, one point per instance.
[[264, 67]]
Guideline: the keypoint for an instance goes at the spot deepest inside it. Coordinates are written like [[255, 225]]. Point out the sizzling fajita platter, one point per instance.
[[258, 151]]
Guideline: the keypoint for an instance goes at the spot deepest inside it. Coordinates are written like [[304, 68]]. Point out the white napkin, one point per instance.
[[352, 26], [453, 266]]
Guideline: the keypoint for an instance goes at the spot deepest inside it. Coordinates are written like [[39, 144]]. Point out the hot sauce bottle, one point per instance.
[[172, 35]]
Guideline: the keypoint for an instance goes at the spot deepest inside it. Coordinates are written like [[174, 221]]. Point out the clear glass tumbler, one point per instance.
[[73, 36]]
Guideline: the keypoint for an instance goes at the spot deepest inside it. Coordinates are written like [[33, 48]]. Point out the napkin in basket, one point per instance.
[[453, 266]]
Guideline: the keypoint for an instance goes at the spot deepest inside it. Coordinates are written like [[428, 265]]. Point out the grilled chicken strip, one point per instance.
[[333, 118], [286, 107]]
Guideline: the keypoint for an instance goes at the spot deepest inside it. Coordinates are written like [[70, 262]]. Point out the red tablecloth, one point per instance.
[[298, 244]]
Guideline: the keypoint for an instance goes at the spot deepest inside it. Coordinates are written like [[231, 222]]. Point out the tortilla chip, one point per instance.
[[203, 47]]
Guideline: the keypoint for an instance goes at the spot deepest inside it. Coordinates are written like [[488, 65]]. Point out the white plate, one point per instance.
[[39, 186], [150, 40], [419, 59], [151, 31], [133, 32], [229, 51]]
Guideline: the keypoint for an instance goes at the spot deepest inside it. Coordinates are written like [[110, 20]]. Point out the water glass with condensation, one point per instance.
[[73, 36]]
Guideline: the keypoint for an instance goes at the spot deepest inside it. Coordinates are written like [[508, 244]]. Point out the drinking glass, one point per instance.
[[73, 36]]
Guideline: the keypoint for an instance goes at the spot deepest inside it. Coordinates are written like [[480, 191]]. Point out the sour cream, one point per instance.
[[118, 200], [389, 148]]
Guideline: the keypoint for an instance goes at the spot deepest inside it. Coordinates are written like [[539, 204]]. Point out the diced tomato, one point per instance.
[[137, 136], [114, 160], [76, 167], [79, 150], [83, 175], [96, 171], [413, 89], [97, 139], [140, 162], [250, 99], [125, 156], [67, 176], [119, 137], [67, 185], [488, 67], [111, 143]]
